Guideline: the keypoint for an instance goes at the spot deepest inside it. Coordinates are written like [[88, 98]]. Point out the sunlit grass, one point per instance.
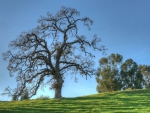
[[137, 101]]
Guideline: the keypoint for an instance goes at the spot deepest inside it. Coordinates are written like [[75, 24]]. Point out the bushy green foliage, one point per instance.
[[108, 73], [114, 75], [145, 70], [42, 97], [25, 95], [131, 75], [128, 89]]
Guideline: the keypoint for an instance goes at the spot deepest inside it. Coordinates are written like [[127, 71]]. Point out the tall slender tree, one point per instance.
[[108, 78], [145, 70], [52, 49], [131, 75]]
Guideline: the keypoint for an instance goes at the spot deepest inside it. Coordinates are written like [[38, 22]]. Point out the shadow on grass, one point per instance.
[[125, 101]]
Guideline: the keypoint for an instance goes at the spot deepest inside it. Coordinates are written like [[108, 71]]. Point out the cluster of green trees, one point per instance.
[[114, 74]]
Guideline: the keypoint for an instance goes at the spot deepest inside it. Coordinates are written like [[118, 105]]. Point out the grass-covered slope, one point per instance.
[[137, 101]]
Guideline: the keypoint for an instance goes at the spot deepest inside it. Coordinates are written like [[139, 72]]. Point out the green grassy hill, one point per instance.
[[137, 101]]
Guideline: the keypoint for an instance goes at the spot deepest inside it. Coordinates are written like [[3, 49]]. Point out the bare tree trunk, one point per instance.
[[58, 89]]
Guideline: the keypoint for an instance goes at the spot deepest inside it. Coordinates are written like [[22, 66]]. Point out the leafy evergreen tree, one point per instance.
[[131, 75], [112, 75], [145, 70], [108, 78]]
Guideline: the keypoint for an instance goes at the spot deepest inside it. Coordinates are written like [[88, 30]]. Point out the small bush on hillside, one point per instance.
[[14, 97], [25, 95], [128, 89], [42, 97]]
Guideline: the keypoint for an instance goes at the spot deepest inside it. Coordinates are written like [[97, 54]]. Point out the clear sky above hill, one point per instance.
[[123, 25]]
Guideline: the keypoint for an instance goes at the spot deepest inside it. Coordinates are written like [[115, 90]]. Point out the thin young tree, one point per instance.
[[53, 49]]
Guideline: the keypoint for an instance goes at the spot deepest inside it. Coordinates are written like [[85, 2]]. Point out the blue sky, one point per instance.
[[123, 25]]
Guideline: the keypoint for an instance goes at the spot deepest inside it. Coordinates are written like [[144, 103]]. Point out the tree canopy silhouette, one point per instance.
[[53, 49]]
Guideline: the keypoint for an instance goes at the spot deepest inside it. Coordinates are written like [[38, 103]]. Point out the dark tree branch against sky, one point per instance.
[[123, 25], [53, 49]]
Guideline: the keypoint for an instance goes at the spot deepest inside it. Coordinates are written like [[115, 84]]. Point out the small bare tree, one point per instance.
[[53, 49]]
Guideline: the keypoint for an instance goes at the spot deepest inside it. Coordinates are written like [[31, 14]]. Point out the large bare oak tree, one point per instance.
[[53, 49]]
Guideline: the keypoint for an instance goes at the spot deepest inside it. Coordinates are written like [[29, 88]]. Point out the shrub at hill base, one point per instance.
[[25, 95]]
